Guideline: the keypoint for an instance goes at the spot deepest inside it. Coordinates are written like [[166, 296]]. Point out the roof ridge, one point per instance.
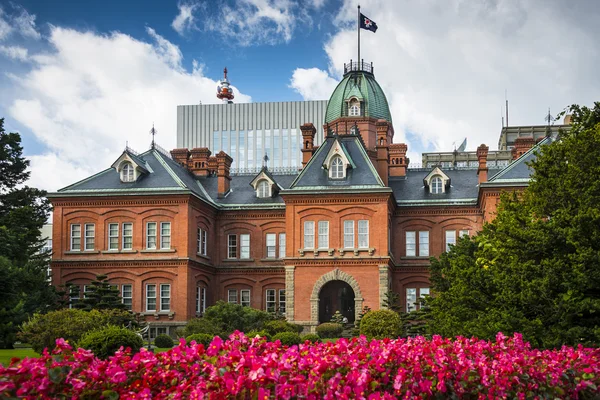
[[519, 160], [175, 177]]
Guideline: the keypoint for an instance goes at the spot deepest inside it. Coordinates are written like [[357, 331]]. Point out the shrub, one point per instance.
[[263, 333], [106, 341], [288, 338], [164, 341], [235, 317], [381, 324], [203, 338], [201, 325], [278, 326], [42, 330], [311, 337], [330, 330]]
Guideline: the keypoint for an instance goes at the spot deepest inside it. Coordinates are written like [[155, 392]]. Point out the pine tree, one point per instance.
[[101, 295]]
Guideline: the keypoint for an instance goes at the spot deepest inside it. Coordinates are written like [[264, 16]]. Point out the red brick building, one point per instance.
[[178, 232]]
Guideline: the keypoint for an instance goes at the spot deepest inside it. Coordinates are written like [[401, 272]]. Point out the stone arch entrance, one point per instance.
[[333, 276], [336, 296]]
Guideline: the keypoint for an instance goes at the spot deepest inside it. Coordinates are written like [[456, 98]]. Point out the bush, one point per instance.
[[203, 338], [164, 341], [287, 338], [42, 330], [330, 330], [278, 326], [201, 325], [263, 333], [234, 317], [311, 337], [381, 324], [106, 341]]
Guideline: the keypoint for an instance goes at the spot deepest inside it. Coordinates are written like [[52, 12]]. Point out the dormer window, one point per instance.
[[336, 170], [127, 172], [264, 189], [436, 185], [354, 108], [437, 182]]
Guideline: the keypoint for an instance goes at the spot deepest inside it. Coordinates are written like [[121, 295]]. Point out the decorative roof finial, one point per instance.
[[225, 73], [153, 132], [224, 91], [265, 160]]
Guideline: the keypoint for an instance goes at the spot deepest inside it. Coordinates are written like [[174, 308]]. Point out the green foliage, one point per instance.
[[101, 295], [534, 269], [201, 325], [337, 318], [392, 301], [278, 326], [42, 330], [104, 342], [231, 317], [203, 338], [416, 323], [329, 330], [164, 341], [381, 324], [311, 337], [23, 264], [264, 334], [363, 312], [287, 338]]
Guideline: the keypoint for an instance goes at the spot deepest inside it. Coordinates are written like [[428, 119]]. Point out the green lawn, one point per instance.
[[6, 355]]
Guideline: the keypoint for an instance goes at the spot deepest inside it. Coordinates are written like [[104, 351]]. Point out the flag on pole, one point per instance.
[[367, 23]]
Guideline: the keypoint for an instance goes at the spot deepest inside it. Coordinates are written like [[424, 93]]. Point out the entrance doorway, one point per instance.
[[336, 296]]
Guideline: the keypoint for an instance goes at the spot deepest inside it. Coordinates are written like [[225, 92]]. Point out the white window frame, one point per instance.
[[203, 300], [323, 238], [127, 226], [127, 172], [263, 189], [271, 300], [148, 235], [202, 236], [244, 293], [411, 243], [437, 184], [148, 297], [282, 245], [423, 243], [363, 237], [348, 234], [165, 235], [463, 232], [127, 300], [282, 303], [411, 300], [271, 245], [113, 233], [198, 299], [244, 246], [229, 299], [450, 238], [92, 236], [309, 234], [74, 299], [166, 297], [336, 168], [75, 239], [232, 247]]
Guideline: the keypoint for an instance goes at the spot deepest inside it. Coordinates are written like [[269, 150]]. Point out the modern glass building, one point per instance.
[[248, 131]]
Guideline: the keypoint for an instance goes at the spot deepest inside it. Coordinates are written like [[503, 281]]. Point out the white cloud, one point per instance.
[[185, 20], [445, 66], [19, 20], [313, 83], [5, 28], [90, 94], [14, 52]]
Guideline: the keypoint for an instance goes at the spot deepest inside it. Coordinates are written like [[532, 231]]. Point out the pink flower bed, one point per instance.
[[254, 369]]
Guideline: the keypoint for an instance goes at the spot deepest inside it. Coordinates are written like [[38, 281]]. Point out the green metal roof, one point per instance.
[[360, 84]]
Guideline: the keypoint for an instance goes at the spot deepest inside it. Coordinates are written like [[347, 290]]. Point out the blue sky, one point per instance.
[[79, 79]]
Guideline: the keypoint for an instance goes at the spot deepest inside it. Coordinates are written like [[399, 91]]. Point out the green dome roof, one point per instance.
[[362, 85]]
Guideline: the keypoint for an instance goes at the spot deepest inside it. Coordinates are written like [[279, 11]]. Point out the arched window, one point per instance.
[[436, 185], [336, 169], [127, 173], [263, 189], [354, 109]]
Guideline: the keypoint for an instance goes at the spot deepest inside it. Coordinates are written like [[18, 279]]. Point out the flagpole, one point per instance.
[[359, 37]]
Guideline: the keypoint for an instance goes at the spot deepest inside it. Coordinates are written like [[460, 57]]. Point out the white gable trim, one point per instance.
[[336, 150], [125, 159], [437, 172]]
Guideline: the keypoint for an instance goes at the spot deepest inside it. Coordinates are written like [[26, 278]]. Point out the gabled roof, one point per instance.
[[263, 174], [338, 148], [129, 156], [518, 171], [361, 176], [436, 171]]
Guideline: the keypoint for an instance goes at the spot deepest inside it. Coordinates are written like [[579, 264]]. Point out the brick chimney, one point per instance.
[[398, 161], [223, 165], [308, 139], [482, 170], [521, 146], [181, 156], [382, 148], [198, 161]]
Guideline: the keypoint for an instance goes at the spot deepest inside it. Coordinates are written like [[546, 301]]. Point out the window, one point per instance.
[[323, 234], [348, 234], [231, 246], [165, 297], [75, 237], [245, 246], [309, 234], [271, 245], [245, 297], [89, 236], [151, 297], [113, 236], [127, 295], [165, 235], [424, 244], [202, 234], [73, 295], [423, 292], [151, 235], [127, 236], [463, 232], [271, 303], [436, 185], [232, 296], [411, 244], [203, 300], [127, 173], [282, 301], [336, 169], [263, 190], [199, 299], [354, 109], [282, 245], [450, 239], [411, 299], [363, 234]]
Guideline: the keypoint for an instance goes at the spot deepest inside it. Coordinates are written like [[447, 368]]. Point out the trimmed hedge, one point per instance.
[[164, 341], [106, 341], [278, 326], [330, 330], [311, 337], [201, 325], [203, 338], [287, 338], [381, 324]]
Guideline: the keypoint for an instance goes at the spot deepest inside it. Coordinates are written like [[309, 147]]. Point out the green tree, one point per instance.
[[23, 265], [536, 268], [101, 295]]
